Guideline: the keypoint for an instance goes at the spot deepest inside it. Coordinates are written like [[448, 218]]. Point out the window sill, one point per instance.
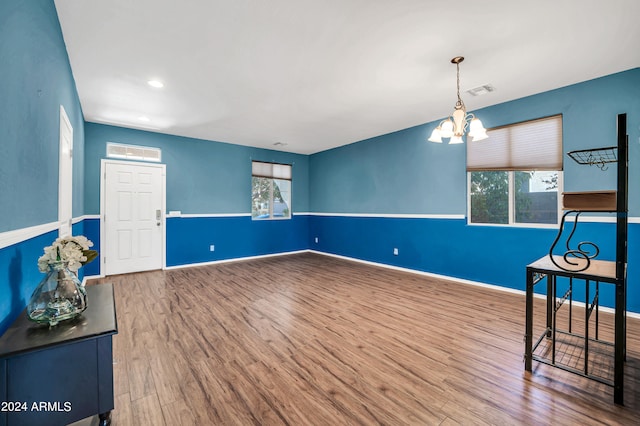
[[517, 225]]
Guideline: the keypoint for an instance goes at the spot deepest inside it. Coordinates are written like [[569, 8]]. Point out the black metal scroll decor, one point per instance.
[[585, 250]]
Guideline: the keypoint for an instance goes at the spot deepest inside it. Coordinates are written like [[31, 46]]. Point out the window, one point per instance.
[[515, 176], [270, 190], [133, 152]]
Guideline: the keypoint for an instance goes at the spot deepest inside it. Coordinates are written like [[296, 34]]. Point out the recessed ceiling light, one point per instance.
[[155, 83], [144, 118]]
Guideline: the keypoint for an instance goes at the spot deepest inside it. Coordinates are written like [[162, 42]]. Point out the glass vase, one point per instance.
[[59, 296]]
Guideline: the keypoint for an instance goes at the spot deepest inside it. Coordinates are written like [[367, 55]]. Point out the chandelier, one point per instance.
[[456, 125]]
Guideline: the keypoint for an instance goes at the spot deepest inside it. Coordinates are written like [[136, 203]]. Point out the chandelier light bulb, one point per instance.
[[446, 128], [436, 135], [476, 125], [477, 130]]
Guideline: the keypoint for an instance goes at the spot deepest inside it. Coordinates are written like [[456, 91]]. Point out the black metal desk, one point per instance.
[[599, 271], [58, 375]]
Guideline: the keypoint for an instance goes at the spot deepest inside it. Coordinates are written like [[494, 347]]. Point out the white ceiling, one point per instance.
[[317, 74]]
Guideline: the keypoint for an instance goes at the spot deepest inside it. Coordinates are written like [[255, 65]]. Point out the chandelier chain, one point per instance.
[[459, 104]]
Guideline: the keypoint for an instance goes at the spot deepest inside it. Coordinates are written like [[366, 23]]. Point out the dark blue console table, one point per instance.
[[59, 375]]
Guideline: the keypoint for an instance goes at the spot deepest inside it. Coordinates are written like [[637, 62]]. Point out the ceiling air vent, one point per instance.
[[481, 90], [133, 152]]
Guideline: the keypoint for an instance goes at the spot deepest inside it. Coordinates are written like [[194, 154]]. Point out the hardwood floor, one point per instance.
[[310, 339]]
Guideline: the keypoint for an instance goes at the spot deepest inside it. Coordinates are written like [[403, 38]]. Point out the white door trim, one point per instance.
[[103, 242], [65, 176]]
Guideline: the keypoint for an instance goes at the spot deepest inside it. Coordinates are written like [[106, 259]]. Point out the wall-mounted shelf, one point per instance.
[[594, 201], [596, 156]]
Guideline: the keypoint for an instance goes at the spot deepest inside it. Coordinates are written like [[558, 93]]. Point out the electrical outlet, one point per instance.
[[316, 240], [212, 247], [395, 251]]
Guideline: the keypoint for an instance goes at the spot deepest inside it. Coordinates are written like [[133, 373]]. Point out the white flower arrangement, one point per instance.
[[73, 250]]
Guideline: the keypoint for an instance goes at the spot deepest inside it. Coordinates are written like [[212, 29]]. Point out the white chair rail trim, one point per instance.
[[9, 238]]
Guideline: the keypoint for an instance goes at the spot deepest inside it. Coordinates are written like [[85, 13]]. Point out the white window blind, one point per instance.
[[271, 170], [530, 145]]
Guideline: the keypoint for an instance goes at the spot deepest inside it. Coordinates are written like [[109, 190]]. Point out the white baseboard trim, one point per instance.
[[461, 281], [235, 259], [91, 277]]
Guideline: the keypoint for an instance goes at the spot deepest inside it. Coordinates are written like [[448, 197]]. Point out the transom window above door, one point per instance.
[[134, 152]]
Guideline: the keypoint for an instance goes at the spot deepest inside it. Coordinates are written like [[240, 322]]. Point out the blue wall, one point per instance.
[[399, 173], [450, 247], [394, 173], [205, 178], [36, 80], [188, 239], [403, 174]]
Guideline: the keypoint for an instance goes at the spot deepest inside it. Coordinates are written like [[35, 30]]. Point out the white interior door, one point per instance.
[[133, 217], [65, 175]]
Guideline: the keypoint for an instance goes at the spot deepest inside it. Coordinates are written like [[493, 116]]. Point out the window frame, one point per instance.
[[271, 176], [511, 203], [510, 170]]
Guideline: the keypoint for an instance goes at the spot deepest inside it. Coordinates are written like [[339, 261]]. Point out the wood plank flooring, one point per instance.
[[308, 339]]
